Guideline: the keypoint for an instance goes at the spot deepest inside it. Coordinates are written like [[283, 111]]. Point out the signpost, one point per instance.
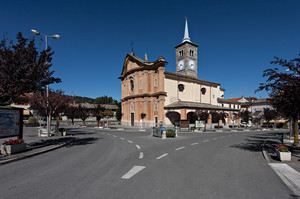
[[11, 122], [164, 136]]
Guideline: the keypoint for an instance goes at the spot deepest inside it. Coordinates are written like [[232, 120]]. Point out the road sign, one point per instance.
[[163, 128]]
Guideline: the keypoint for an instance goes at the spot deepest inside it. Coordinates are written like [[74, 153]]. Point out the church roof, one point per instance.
[[177, 76], [197, 105]]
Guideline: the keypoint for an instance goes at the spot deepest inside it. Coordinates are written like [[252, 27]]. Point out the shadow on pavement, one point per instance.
[[49, 142], [254, 143], [83, 141]]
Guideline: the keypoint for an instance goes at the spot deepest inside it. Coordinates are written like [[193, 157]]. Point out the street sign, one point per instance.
[[163, 128]]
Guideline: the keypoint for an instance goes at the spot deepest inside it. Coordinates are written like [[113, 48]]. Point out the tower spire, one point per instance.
[[186, 32]]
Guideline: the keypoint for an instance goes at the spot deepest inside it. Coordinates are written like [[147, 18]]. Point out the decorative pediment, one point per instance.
[[132, 63]]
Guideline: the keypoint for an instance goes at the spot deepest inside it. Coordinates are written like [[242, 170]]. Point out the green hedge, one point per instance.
[[170, 133]]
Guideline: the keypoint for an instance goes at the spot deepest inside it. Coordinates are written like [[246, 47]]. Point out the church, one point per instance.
[[158, 97]]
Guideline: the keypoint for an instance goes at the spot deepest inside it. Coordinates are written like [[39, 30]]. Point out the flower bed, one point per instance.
[[283, 153], [13, 146]]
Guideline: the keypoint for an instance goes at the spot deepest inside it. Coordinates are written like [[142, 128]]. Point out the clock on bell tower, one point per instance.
[[186, 56]]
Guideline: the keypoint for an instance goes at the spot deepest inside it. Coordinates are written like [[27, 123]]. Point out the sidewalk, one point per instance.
[[35, 145], [269, 147], [289, 172]]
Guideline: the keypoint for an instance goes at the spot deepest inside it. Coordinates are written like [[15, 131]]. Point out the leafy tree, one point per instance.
[[71, 112], [96, 112], [106, 100], [119, 112], [245, 116], [216, 117], [224, 116], [269, 114], [106, 114], [23, 69], [58, 103], [83, 113], [284, 89]]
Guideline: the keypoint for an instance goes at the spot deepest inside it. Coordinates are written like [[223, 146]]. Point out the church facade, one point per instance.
[[158, 97]]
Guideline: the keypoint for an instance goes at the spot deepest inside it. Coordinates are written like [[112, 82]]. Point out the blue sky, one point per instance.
[[237, 38]]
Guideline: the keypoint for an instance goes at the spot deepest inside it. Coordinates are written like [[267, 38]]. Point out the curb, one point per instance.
[[264, 152], [46, 149]]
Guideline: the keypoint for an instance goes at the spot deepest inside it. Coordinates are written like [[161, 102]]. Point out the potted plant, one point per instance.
[[13, 146], [283, 153]]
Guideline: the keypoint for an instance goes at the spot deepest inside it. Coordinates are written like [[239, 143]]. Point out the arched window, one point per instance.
[[131, 85]]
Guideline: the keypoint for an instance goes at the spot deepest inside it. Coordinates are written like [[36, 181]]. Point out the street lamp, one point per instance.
[[47, 111]]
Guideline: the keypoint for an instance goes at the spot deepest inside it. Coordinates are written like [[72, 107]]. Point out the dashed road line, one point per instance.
[[132, 172], [223, 137], [115, 136], [205, 140], [194, 143], [141, 155], [130, 141], [137, 146], [215, 138], [160, 157], [122, 138], [180, 148]]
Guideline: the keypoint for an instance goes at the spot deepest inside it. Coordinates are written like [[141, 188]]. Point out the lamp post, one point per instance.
[[46, 46]]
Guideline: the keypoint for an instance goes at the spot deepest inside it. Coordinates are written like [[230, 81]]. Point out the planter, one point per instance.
[[12, 149], [284, 156]]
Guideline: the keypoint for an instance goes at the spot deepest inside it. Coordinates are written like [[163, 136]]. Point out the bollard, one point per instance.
[[164, 136]]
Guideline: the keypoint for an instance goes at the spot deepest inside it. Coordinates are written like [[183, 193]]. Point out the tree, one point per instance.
[[245, 116], [96, 112], [269, 114], [106, 114], [23, 69], [83, 113], [284, 89], [71, 112], [119, 112], [216, 117], [58, 103]]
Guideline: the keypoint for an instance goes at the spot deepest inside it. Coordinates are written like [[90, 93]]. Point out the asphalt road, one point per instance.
[[123, 164]]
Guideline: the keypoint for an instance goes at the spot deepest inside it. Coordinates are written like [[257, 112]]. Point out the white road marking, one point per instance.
[[115, 136], [180, 148], [137, 146], [205, 140], [215, 138], [195, 143], [141, 155], [288, 175], [130, 141], [161, 156], [122, 138], [108, 134], [132, 172], [223, 137]]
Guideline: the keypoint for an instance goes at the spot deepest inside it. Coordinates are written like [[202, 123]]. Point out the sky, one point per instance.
[[237, 38]]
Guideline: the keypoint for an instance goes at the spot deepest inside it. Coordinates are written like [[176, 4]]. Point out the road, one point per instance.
[[123, 164]]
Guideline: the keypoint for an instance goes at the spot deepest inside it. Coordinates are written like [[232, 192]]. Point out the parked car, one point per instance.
[[244, 124]]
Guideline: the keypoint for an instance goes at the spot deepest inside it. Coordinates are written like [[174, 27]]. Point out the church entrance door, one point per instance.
[[132, 119]]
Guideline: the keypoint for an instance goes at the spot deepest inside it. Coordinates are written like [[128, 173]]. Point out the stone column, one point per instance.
[[183, 115], [209, 120]]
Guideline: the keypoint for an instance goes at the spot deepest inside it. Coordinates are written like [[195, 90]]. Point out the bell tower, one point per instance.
[[186, 55]]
